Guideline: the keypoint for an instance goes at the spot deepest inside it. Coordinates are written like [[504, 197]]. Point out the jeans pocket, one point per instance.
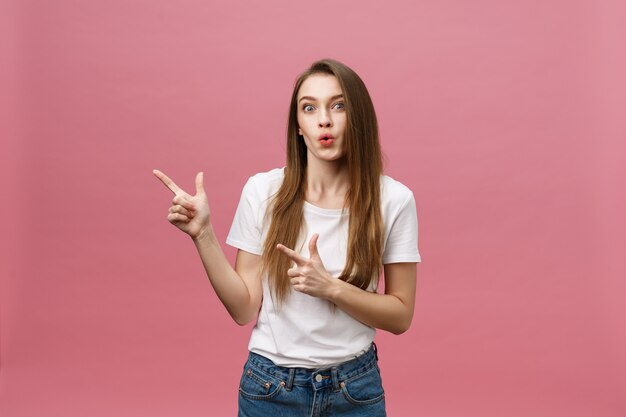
[[365, 388], [257, 385]]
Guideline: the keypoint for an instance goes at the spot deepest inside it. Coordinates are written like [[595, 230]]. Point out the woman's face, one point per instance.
[[322, 116]]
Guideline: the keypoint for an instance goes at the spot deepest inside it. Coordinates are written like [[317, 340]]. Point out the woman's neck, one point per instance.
[[327, 183]]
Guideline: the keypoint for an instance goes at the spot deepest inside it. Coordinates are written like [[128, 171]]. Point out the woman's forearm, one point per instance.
[[228, 285], [383, 311], [392, 311]]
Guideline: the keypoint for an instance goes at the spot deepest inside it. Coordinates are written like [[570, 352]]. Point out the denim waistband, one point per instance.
[[320, 378]]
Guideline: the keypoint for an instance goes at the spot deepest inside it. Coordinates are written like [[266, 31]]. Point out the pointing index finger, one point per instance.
[[291, 254], [167, 182]]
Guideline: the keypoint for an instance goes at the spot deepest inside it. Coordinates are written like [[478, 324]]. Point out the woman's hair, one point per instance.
[[364, 162]]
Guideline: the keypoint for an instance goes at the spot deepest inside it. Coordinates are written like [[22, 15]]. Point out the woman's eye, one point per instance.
[[342, 106], [306, 107]]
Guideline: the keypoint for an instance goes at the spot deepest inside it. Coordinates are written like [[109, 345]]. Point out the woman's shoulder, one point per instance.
[[276, 174], [394, 191], [395, 198], [266, 183]]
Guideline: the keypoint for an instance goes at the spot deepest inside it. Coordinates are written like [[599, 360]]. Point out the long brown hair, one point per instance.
[[363, 158]]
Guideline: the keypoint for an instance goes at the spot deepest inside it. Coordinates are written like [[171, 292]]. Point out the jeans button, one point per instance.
[[318, 378]]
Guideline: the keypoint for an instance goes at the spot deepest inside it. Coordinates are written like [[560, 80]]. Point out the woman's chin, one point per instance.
[[338, 157], [327, 155]]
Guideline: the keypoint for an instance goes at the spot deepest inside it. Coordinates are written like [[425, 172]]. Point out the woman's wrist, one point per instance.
[[335, 289], [205, 235]]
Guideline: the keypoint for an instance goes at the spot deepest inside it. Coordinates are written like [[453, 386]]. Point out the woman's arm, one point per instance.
[[392, 311], [238, 289]]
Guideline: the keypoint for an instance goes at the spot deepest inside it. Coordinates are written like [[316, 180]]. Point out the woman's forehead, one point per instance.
[[320, 86]]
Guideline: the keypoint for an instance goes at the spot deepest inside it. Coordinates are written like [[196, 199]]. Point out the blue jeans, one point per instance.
[[352, 388]]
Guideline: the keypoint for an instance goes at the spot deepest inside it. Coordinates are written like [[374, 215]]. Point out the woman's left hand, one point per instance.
[[309, 275]]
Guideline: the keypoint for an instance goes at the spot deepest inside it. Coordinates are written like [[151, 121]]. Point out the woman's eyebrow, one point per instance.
[[314, 99]]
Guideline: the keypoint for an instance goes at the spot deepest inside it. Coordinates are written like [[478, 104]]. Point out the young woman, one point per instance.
[[312, 238]]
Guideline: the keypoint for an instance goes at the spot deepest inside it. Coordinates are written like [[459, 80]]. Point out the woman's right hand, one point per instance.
[[189, 213]]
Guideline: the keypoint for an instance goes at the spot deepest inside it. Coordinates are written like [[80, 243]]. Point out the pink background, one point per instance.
[[506, 119]]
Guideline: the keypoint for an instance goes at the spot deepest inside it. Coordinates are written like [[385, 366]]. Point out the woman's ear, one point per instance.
[[299, 131]]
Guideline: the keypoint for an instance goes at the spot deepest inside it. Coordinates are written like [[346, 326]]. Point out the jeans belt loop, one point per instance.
[[375, 350], [335, 376], [292, 374]]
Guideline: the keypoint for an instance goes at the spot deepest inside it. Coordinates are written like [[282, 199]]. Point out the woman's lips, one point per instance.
[[326, 139]]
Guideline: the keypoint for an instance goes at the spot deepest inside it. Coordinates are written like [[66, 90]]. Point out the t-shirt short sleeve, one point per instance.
[[245, 231], [401, 243]]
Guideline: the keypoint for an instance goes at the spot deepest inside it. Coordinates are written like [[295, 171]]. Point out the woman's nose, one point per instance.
[[324, 119]]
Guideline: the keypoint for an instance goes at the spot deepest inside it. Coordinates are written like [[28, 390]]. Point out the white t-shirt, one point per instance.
[[305, 332]]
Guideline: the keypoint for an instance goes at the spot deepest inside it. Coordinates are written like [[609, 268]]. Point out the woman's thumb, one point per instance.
[[200, 183], [313, 246]]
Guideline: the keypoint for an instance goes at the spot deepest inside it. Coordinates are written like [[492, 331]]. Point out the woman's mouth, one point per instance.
[[326, 140]]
